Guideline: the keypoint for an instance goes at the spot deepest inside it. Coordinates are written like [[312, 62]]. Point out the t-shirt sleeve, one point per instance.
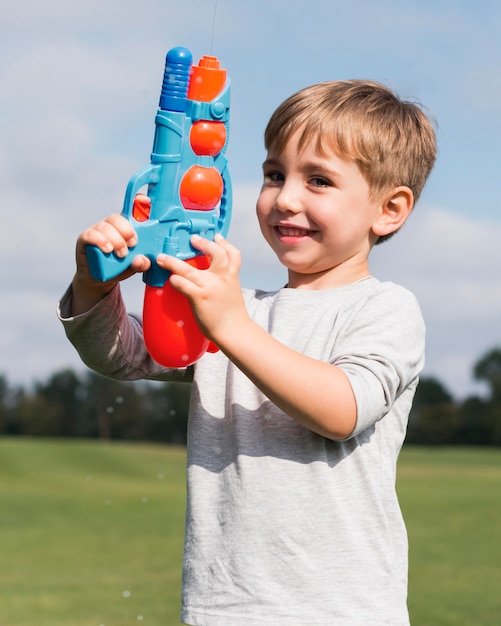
[[381, 350]]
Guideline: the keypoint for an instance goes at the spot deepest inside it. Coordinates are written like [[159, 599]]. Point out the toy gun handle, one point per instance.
[[189, 191]]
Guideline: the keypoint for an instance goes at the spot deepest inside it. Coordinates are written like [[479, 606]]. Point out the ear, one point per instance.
[[395, 209]]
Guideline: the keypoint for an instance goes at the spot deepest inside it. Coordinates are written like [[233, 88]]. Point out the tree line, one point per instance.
[[70, 404], [88, 405]]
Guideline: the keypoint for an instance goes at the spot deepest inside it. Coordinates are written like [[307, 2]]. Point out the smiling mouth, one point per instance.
[[292, 231]]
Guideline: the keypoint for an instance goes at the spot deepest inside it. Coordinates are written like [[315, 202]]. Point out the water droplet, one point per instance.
[[185, 357], [161, 476], [180, 323], [126, 594], [140, 618], [144, 500], [108, 501]]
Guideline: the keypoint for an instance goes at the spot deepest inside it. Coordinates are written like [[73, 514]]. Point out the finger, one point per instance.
[[232, 259], [202, 244], [123, 227], [215, 252], [111, 235], [232, 250], [184, 285], [174, 265], [140, 263]]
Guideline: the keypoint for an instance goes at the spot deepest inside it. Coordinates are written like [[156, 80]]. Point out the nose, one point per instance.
[[288, 199]]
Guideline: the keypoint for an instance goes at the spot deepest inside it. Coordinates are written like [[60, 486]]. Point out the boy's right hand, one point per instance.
[[113, 234]]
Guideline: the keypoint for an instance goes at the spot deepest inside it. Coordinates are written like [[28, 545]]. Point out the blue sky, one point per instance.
[[79, 87]]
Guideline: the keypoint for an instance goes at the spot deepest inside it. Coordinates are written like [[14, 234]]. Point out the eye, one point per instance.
[[319, 181], [273, 177]]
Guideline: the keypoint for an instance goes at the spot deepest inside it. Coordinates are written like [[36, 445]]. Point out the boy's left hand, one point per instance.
[[215, 294]]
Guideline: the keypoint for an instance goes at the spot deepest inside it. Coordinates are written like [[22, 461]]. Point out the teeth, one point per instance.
[[289, 231]]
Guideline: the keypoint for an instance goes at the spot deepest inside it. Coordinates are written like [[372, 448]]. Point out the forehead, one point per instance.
[[306, 141], [323, 139]]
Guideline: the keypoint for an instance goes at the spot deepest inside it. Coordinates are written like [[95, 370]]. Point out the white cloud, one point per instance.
[[452, 262]]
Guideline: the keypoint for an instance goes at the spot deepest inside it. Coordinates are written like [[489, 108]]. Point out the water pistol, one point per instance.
[[188, 192]]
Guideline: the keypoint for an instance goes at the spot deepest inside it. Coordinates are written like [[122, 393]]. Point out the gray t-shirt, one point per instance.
[[284, 526]]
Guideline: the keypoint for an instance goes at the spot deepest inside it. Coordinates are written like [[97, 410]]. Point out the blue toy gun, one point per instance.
[[189, 192]]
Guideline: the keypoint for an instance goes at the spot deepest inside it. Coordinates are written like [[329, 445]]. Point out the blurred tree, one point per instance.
[[4, 404], [62, 392], [112, 409], [474, 429], [37, 416], [430, 392], [168, 404], [434, 417], [488, 370], [53, 408]]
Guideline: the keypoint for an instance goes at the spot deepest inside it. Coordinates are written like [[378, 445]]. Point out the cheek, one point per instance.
[[262, 213], [262, 207]]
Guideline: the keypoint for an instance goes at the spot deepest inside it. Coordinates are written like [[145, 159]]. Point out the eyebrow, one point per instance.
[[316, 167], [313, 167], [270, 161]]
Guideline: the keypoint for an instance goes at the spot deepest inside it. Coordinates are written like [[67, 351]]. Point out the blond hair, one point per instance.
[[392, 141]]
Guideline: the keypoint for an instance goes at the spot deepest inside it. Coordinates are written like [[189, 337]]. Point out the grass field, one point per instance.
[[451, 499], [91, 534]]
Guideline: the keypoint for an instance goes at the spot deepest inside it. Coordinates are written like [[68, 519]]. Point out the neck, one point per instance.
[[329, 279]]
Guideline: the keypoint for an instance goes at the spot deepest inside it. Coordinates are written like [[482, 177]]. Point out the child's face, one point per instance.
[[316, 213]]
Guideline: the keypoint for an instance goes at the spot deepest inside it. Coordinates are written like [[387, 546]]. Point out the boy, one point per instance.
[[296, 424]]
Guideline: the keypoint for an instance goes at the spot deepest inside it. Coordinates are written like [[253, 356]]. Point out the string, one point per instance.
[[213, 26]]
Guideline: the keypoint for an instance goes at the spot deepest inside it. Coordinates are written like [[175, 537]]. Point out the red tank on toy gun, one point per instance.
[[188, 192]]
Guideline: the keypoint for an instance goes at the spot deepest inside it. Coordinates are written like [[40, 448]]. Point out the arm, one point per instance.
[[110, 341], [316, 394]]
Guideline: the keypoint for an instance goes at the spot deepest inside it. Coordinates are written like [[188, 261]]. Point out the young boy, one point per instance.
[[296, 424]]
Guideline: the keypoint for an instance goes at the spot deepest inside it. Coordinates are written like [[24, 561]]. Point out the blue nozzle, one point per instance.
[[176, 80]]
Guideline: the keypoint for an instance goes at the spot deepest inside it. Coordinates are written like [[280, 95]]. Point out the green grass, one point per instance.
[[91, 534], [451, 499]]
